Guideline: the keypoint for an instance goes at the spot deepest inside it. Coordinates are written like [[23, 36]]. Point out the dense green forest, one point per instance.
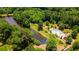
[[21, 37]]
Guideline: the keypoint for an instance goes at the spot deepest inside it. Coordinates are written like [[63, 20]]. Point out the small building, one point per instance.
[[58, 33]]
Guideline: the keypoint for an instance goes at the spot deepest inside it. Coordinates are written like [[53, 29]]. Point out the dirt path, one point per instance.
[[67, 48], [42, 46]]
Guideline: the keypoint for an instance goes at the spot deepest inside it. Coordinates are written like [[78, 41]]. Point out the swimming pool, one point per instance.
[[56, 31]]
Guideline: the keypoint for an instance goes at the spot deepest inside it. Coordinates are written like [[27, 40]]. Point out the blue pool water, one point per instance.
[[56, 31]]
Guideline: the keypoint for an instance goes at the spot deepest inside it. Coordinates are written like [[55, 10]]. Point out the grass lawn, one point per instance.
[[34, 26], [6, 48], [3, 15], [61, 43], [43, 32]]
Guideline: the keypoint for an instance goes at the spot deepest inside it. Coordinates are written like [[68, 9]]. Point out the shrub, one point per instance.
[[6, 48], [60, 42], [75, 45], [6, 34], [74, 33], [39, 49], [69, 40], [66, 31], [37, 42], [40, 25], [51, 44], [30, 48], [14, 38], [61, 26], [77, 36], [76, 27], [26, 23], [47, 23]]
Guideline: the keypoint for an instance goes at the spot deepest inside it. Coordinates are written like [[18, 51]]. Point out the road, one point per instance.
[[11, 21]]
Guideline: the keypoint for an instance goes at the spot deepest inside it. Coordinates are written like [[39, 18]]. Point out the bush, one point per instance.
[[51, 44], [47, 23], [26, 23], [60, 42], [6, 34], [76, 27], [40, 25], [74, 33], [75, 45], [6, 48], [63, 26], [77, 36], [21, 37], [39, 49], [66, 30], [69, 40], [1, 43], [37, 42], [30, 48], [14, 38]]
